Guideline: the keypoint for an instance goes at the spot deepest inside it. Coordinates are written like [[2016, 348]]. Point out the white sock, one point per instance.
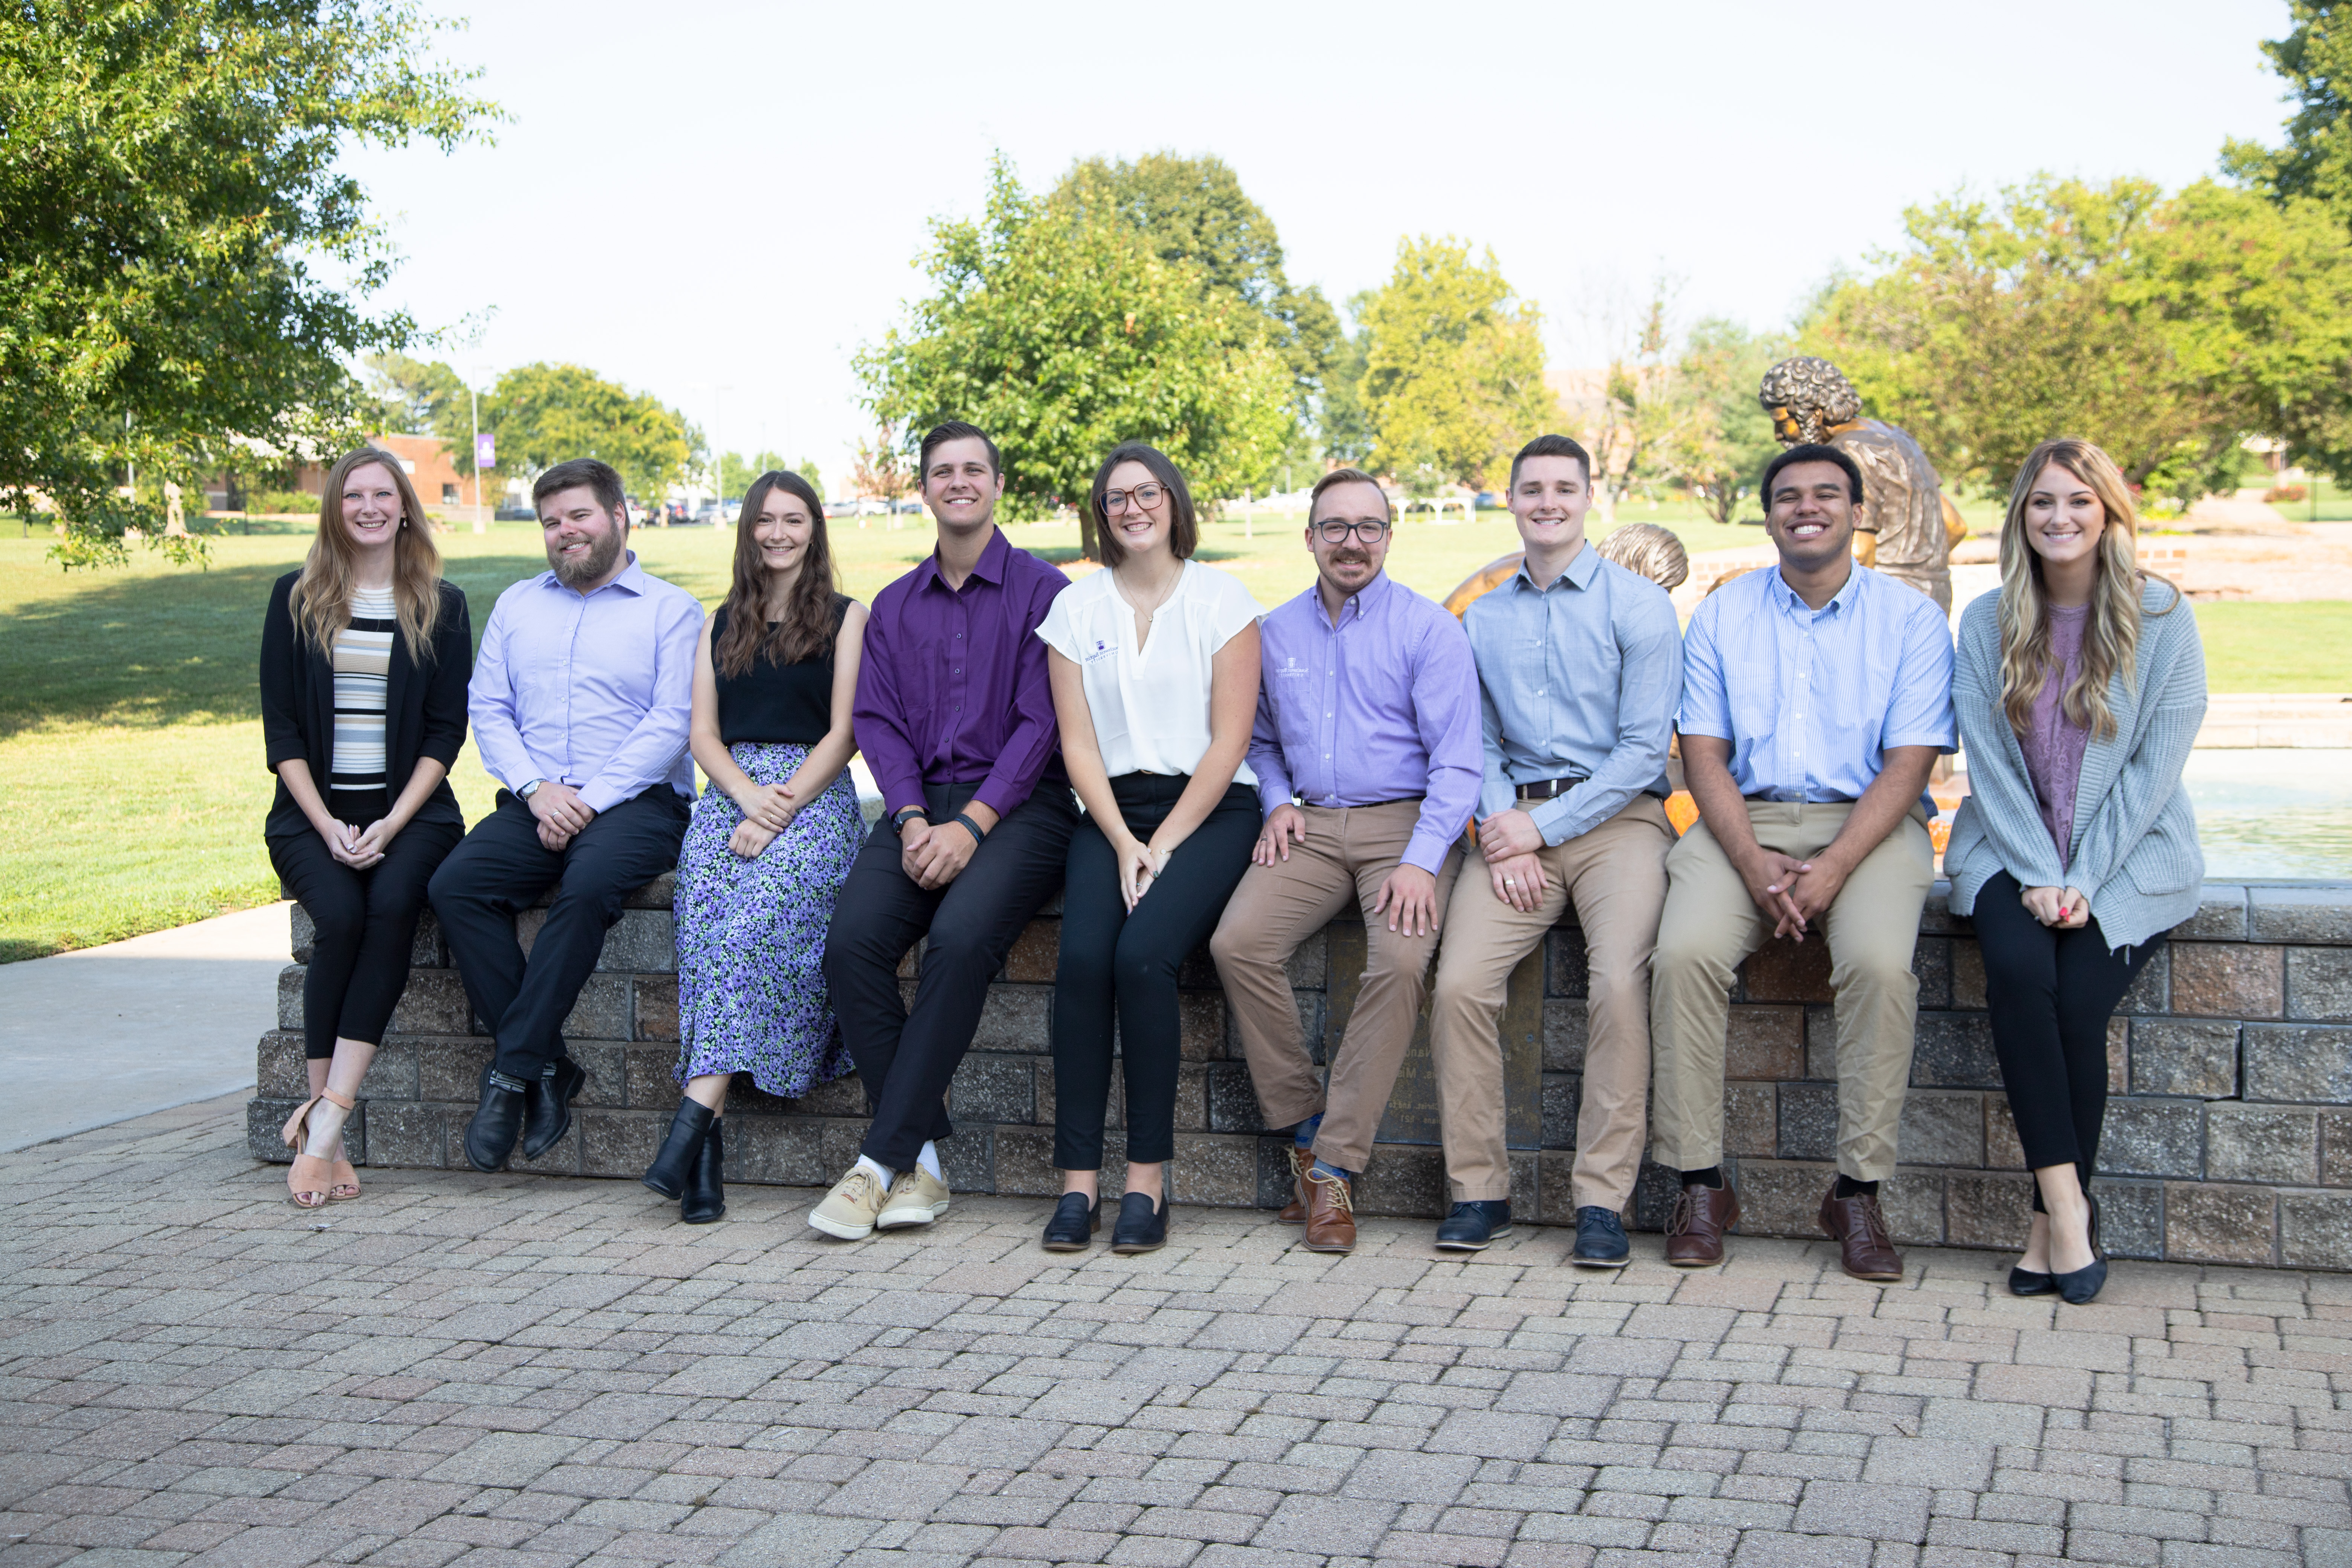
[[928, 1159], [880, 1172]]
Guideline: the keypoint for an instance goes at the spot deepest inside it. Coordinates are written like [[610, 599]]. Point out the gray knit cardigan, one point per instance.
[[2135, 853]]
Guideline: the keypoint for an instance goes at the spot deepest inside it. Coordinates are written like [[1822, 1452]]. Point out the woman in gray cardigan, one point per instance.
[[2079, 688]]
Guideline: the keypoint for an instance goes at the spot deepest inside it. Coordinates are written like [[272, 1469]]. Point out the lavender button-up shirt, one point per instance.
[[951, 685], [1383, 706], [590, 690]]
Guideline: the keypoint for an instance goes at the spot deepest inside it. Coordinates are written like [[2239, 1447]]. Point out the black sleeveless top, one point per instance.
[[778, 704]]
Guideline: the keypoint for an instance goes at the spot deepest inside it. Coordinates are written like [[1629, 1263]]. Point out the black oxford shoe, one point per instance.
[[1471, 1227], [497, 1120], [547, 1107]]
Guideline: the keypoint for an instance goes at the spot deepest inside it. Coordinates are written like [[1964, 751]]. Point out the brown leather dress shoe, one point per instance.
[[1330, 1215], [1858, 1227], [1695, 1225], [1295, 1211]]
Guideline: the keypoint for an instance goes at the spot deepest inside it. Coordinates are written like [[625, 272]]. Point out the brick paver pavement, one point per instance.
[[529, 1371]]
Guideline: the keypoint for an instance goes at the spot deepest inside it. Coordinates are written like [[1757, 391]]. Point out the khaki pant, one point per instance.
[[1711, 923], [1348, 854], [1616, 875]]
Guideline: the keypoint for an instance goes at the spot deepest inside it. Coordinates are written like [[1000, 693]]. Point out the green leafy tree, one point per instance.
[[1194, 213], [814, 475], [2316, 59], [1454, 367], [736, 471], [1062, 334], [183, 266], [547, 414], [413, 397], [1721, 446]]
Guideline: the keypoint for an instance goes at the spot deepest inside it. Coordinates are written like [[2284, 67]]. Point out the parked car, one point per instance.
[[907, 507], [845, 507], [517, 514]]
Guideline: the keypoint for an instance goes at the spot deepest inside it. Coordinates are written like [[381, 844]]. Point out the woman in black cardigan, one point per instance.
[[365, 653]]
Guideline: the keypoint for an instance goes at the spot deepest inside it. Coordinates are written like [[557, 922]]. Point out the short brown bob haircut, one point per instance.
[[1346, 477], [1183, 525], [587, 473]]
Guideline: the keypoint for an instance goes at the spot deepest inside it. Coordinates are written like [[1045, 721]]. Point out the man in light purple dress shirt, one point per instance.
[[1368, 761], [579, 703], [955, 715]]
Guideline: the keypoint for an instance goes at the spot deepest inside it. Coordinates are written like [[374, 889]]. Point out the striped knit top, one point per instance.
[[363, 664]]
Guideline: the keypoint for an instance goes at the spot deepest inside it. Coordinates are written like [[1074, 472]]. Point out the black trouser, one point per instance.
[[1111, 959], [2052, 993], [903, 1057], [365, 922], [503, 868]]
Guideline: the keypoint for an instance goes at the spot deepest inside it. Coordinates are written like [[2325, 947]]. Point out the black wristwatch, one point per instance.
[[898, 818]]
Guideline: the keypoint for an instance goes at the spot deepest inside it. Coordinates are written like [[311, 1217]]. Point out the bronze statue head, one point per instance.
[[1807, 398]]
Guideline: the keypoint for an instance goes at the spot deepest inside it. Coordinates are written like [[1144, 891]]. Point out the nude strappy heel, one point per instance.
[[313, 1181]]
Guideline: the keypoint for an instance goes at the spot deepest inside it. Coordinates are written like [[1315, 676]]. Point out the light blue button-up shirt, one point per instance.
[[1576, 680], [592, 690], [1810, 700]]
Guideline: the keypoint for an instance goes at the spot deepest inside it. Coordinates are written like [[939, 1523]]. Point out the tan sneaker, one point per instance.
[[916, 1197], [849, 1210]]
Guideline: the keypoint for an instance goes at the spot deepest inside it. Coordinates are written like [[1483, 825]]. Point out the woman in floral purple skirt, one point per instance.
[[772, 839]]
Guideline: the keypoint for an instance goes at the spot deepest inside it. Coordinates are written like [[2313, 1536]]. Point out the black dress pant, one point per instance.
[[365, 920], [501, 868], [1113, 962], [904, 1058], [2050, 994]]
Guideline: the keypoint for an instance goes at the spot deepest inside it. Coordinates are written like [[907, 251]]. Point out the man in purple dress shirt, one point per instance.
[[579, 703], [1368, 761], [955, 716]]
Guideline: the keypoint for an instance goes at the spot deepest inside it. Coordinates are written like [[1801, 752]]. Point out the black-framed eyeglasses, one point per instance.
[[1335, 530], [1145, 496]]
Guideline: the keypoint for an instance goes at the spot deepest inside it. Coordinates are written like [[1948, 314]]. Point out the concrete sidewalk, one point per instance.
[[492, 1371], [95, 1037]]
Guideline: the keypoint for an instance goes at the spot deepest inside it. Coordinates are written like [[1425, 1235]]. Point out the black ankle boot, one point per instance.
[[674, 1166], [706, 1192]]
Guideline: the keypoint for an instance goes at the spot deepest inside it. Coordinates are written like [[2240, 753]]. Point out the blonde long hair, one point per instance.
[[322, 594], [2111, 637]]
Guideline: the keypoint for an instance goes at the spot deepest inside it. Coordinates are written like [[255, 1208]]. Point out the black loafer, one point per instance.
[[496, 1122], [1600, 1239], [1471, 1227], [547, 1113], [1076, 1220], [1142, 1225]]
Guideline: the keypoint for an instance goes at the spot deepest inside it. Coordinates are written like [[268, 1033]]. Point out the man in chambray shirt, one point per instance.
[[1366, 752], [1580, 665], [1817, 694], [579, 702]]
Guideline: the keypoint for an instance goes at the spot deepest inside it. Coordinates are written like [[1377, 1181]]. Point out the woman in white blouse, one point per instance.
[[1154, 663]]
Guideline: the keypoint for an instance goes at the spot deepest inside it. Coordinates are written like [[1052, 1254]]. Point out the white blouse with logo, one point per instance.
[[1150, 701]]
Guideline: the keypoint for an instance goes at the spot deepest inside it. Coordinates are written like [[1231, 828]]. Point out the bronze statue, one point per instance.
[[1906, 528]]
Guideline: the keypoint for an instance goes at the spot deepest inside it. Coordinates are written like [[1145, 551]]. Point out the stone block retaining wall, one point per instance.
[[2229, 1139]]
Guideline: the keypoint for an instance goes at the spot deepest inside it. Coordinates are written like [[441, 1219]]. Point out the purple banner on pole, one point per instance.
[[485, 450]]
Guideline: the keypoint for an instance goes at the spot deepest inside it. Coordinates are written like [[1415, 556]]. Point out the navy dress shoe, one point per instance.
[[498, 1122], [547, 1106], [1600, 1239], [1075, 1219], [1142, 1225], [1472, 1225]]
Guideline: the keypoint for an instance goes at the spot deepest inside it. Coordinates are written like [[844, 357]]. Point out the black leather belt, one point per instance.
[[1547, 789]]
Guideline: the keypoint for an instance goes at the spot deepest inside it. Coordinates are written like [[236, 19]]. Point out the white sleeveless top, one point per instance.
[[362, 665], [1151, 702]]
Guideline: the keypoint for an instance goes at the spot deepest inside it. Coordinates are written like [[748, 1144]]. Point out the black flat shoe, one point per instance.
[[1142, 1225], [2080, 1287], [706, 1190], [497, 1120], [674, 1166], [547, 1107], [2026, 1282], [1076, 1220]]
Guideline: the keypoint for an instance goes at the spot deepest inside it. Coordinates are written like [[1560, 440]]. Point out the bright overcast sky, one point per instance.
[[719, 202]]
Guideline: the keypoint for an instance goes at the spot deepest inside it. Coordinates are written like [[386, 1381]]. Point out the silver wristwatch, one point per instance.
[[525, 792]]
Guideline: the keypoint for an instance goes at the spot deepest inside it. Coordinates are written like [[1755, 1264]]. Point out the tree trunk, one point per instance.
[[1089, 538]]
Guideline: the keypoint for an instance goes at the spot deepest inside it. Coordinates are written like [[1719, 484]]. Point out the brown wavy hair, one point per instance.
[[2111, 637], [322, 594], [806, 629]]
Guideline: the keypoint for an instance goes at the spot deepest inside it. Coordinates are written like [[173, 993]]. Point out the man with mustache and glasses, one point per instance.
[[1817, 694], [1367, 756], [580, 701], [955, 715], [1580, 667]]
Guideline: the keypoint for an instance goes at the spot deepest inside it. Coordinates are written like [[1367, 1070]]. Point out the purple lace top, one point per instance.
[[2054, 742]]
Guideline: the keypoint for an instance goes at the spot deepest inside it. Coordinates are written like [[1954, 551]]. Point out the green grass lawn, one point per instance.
[[129, 723]]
